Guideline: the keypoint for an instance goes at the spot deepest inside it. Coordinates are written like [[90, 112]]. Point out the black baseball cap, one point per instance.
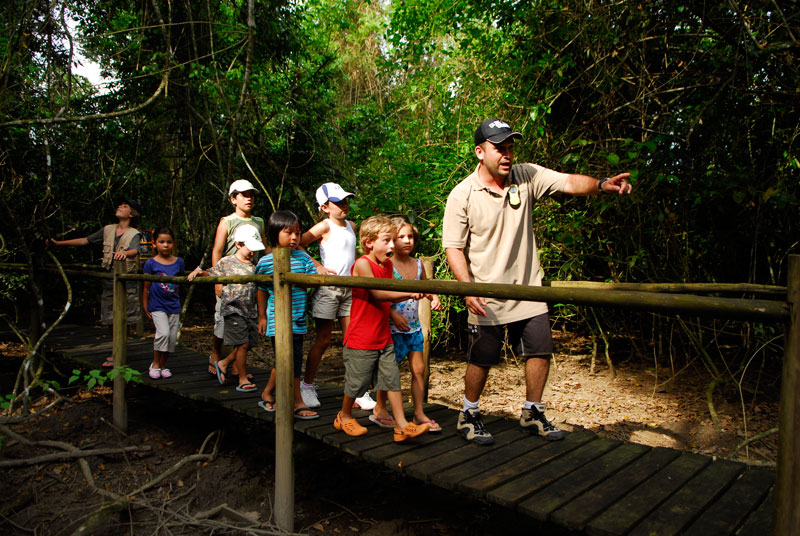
[[133, 203], [494, 130]]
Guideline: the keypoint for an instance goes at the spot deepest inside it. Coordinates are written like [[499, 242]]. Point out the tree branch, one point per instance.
[[92, 117]]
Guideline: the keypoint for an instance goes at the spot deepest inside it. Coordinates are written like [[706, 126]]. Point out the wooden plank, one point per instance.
[[544, 502], [550, 463], [690, 500], [575, 514], [446, 418], [631, 509], [424, 467], [760, 522], [732, 508], [488, 458], [449, 441]]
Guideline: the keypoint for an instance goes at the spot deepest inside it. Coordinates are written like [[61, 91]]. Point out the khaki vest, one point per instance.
[[109, 232]]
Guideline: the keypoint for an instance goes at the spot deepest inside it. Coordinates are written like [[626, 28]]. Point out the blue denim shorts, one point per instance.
[[405, 343]]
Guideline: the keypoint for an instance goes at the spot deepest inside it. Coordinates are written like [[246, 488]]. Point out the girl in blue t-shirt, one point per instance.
[[161, 301]]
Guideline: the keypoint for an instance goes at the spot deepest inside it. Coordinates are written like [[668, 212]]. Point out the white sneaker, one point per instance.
[[364, 402], [309, 394]]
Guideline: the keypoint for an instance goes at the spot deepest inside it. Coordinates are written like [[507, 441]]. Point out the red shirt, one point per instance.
[[369, 318]]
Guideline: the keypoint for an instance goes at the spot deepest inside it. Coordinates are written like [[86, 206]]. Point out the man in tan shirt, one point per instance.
[[488, 237]]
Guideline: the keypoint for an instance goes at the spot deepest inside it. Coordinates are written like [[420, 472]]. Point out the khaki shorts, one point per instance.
[[370, 368], [107, 302], [330, 303], [240, 330]]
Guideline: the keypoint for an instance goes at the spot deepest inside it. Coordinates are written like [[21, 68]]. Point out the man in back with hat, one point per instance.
[[120, 242], [488, 238]]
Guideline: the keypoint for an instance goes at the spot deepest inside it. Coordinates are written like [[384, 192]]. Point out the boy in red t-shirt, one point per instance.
[[368, 350]]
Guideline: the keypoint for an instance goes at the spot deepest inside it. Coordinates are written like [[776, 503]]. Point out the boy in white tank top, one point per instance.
[[338, 252]]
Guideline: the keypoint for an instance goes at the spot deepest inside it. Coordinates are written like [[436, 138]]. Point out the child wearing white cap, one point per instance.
[[337, 247], [241, 194], [238, 304]]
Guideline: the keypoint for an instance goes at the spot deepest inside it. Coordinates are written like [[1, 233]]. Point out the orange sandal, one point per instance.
[[411, 430], [351, 427]]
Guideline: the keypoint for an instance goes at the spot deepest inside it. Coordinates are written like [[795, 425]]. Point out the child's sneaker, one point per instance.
[[411, 430], [470, 427], [154, 372], [364, 402], [534, 421], [166, 373], [309, 394], [351, 427]]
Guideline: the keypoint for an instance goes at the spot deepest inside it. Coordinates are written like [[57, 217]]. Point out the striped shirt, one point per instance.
[[301, 263]]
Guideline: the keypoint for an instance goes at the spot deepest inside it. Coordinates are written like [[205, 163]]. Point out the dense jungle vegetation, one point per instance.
[[699, 101]]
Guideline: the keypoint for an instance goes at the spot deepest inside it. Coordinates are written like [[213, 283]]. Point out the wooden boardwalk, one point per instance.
[[582, 483]]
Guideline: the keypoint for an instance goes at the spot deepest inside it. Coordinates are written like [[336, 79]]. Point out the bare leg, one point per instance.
[[474, 381], [396, 401], [240, 362], [298, 401], [380, 405], [536, 371], [323, 340], [216, 349], [160, 359], [347, 409], [417, 367], [267, 395]]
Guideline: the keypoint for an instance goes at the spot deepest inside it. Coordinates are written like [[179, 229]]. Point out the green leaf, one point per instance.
[[613, 158]]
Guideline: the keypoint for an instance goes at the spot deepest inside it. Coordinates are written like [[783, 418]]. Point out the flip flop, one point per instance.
[[267, 405], [246, 387], [433, 425], [305, 417], [109, 362], [220, 374], [211, 367], [383, 422]]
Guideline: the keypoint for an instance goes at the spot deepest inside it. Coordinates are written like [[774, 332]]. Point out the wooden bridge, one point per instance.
[[583, 483]]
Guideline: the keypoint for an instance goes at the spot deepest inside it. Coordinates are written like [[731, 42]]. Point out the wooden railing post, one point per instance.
[[284, 399], [425, 321], [120, 334], [787, 487]]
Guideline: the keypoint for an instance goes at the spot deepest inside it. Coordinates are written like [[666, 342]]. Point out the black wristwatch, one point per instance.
[[600, 184]]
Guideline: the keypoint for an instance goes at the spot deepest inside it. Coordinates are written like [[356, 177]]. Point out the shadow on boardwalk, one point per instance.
[[582, 484]]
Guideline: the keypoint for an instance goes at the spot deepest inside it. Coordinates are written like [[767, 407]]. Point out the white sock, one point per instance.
[[470, 405], [304, 384], [538, 405]]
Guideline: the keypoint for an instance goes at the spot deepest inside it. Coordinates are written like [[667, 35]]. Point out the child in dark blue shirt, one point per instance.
[[161, 301]]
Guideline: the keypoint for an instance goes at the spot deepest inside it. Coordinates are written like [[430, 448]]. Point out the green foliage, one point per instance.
[[697, 103], [99, 377], [5, 401]]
